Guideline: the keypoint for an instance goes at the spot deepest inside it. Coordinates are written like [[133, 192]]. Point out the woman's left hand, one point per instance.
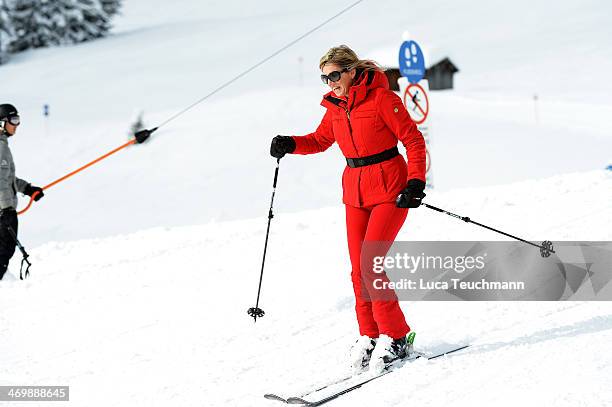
[[412, 195]]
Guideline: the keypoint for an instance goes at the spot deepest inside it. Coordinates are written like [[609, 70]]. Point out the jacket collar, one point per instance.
[[365, 82]]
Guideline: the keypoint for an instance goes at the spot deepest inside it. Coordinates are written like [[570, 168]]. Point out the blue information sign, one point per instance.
[[411, 61]]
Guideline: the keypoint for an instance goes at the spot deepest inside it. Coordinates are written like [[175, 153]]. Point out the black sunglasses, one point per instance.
[[333, 76], [14, 120]]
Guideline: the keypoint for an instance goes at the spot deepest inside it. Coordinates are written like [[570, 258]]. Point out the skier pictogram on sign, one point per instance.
[[416, 102]]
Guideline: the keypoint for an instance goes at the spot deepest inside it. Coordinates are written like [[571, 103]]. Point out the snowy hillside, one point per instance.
[[158, 317], [212, 163]]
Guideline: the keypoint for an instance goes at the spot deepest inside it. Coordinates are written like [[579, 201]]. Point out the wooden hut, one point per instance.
[[439, 75]]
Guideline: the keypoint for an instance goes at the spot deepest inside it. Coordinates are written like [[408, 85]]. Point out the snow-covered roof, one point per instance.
[[387, 56]]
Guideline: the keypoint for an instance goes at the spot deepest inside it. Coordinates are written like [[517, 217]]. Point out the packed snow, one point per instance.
[[159, 317], [144, 266]]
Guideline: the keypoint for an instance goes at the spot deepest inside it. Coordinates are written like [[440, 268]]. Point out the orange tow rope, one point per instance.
[[65, 177]]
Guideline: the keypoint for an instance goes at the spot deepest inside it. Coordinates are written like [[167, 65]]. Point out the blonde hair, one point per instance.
[[346, 58]]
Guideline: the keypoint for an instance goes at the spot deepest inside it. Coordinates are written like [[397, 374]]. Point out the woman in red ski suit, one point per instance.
[[366, 119]]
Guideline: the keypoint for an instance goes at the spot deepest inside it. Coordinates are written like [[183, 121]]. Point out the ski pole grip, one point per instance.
[[276, 174]]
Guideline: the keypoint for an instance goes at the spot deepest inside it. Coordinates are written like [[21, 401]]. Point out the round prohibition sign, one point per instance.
[[416, 102]]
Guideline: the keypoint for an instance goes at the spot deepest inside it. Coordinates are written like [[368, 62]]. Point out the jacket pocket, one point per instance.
[[394, 174], [364, 129], [363, 113], [374, 182], [382, 178]]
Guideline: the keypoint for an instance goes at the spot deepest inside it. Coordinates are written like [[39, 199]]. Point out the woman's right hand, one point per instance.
[[282, 145]]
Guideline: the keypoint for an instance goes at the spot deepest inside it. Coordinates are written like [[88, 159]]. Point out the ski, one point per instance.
[[392, 367], [270, 396]]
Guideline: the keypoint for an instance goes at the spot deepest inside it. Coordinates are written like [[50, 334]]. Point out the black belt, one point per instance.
[[372, 159]]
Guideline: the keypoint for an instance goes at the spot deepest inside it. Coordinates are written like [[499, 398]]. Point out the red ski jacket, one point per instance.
[[370, 121]]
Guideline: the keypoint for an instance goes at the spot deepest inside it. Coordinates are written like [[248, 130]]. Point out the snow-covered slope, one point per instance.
[[212, 163], [158, 317]]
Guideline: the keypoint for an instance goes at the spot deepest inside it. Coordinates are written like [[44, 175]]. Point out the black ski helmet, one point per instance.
[[7, 110]]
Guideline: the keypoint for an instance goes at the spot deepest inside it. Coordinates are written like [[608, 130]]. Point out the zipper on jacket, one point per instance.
[[337, 102], [348, 117]]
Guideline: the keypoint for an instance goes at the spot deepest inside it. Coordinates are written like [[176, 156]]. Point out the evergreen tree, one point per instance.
[[41, 23], [6, 31], [36, 24], [87, 22], [111, 7]]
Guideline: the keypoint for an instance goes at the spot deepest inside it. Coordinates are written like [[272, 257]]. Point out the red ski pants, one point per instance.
[[376, 223]]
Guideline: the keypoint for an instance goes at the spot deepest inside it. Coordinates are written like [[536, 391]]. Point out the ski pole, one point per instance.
[[255, 311], [24, 254], [139, 138], [546, 247]]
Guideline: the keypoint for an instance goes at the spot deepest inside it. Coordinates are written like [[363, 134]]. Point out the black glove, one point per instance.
[[282, 145], [411, 196], [8, 217], [29, 191]]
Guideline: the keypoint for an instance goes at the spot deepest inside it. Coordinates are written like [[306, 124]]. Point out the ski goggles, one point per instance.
[[15, 120], [333, 76]]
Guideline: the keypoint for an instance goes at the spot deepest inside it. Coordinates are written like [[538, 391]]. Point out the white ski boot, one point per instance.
[[389, 350], [360, 354]]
